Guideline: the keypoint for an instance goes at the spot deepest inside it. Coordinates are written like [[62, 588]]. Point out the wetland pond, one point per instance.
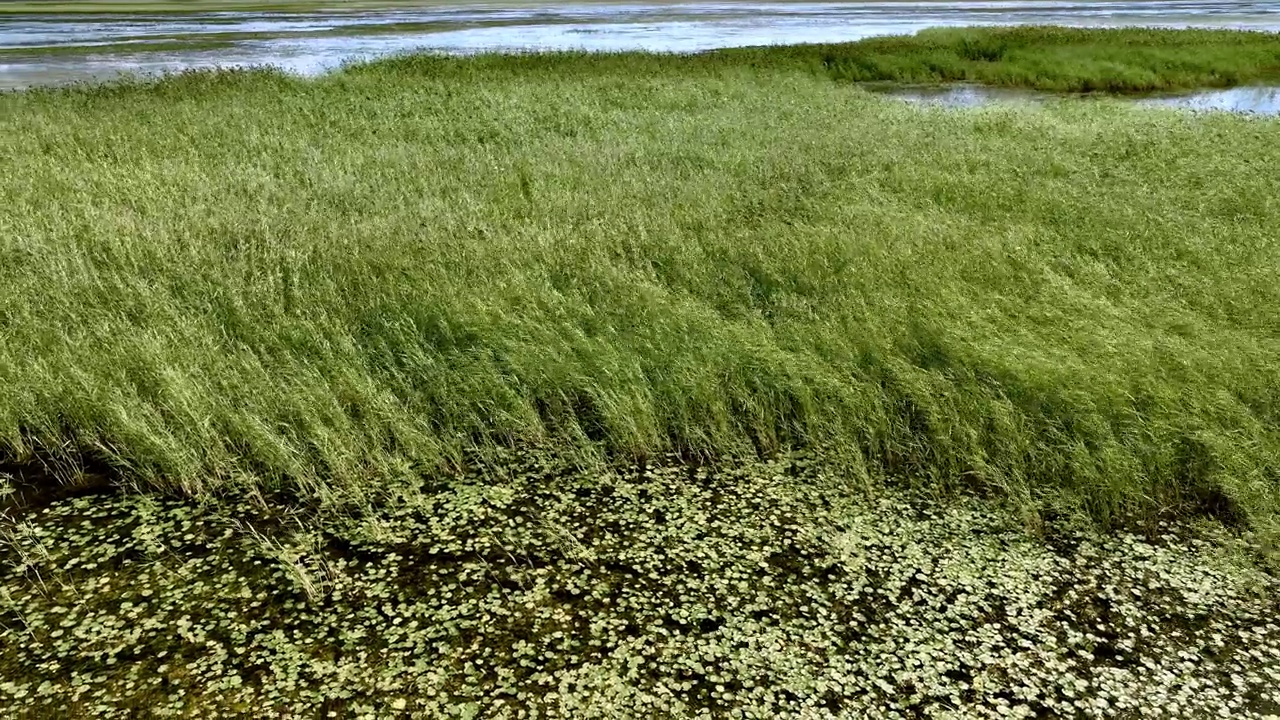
[[42, 49]]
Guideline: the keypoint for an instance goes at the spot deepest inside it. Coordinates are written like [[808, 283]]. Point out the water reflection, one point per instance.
[[958, 95], [1256, 100], [53, 49]]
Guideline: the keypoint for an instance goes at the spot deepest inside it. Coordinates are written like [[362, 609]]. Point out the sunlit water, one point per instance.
[[1255, 100], [1262, 100], [53, 49]]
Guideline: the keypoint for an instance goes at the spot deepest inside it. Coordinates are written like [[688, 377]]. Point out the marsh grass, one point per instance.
[[1058, 59], [242, 280]]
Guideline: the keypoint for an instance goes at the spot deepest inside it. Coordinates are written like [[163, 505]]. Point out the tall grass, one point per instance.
[[1121, 60], [325, 285]]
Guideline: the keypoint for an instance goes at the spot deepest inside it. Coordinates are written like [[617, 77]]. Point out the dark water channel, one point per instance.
[[50, 49]]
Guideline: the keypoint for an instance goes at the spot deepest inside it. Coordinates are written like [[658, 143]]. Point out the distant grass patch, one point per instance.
[[243, 279], [1123, 60]]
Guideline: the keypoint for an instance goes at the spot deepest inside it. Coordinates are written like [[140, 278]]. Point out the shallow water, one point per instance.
[[1255, 100], [958, 95], [37, 50]]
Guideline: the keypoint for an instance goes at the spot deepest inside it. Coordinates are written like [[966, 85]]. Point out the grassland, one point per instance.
[[1121, 60], [270, 294], [674, 384], [324, 286]]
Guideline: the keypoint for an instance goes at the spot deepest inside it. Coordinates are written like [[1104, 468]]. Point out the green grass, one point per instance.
[[1127, 60], [235, 280]]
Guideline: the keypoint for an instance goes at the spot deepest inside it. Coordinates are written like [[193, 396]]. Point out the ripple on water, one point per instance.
[[53, 49]]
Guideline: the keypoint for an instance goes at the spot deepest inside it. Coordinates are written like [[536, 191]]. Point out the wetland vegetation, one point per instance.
[[551, 385], [1119, 60], [751, 589]]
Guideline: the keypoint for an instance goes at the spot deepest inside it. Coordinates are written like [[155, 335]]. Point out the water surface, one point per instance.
[[1254, 100], [43, 49], [1248, 99]]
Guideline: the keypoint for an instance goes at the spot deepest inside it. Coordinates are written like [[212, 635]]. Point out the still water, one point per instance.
[[1254, 100], [47, 49]]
